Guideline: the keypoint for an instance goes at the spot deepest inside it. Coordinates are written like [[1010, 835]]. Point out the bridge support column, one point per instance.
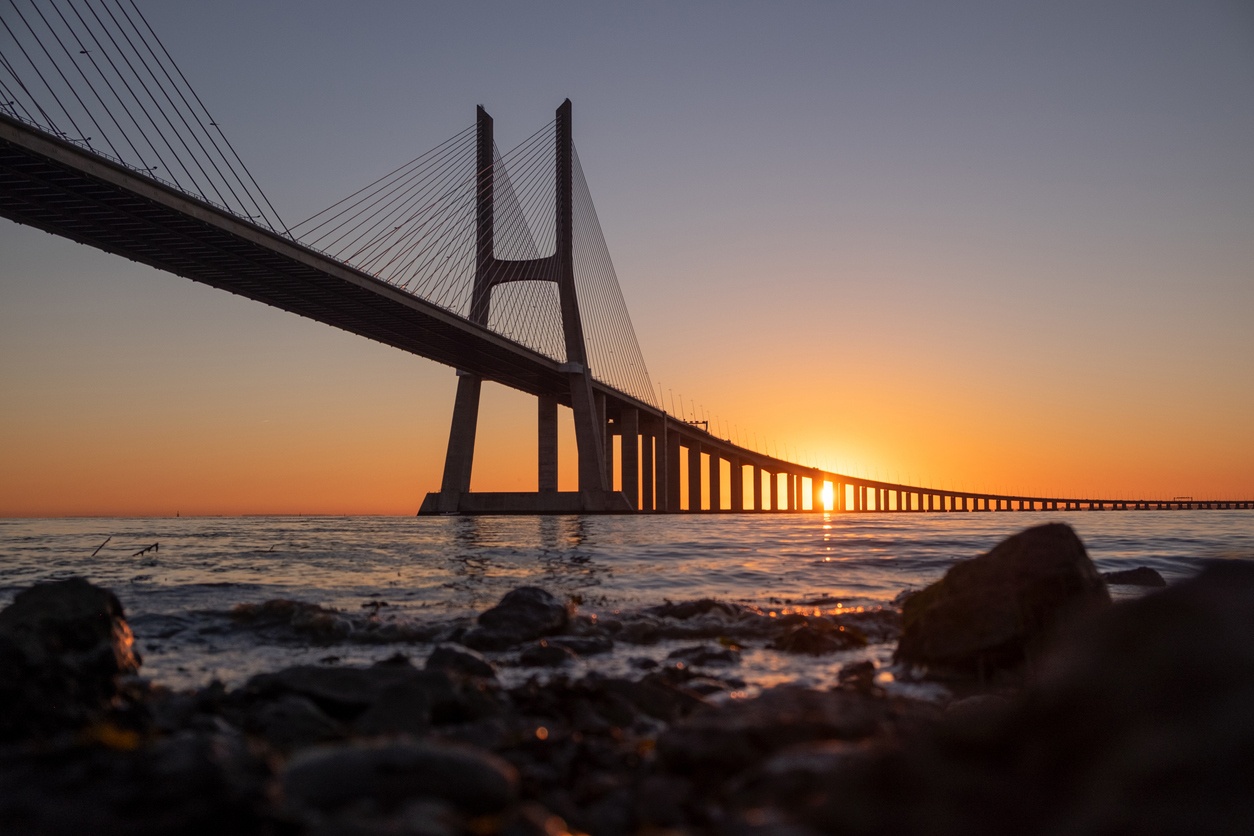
[[460, 457], [793, 493], [772, 486], [647, 454], [816, 490], [757, 488], [546, 426], [629, 427], [737, 485], [672, 469], [716, 481], [694, 477]]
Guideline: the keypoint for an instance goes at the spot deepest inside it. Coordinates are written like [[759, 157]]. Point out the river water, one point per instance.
[[397, 584]]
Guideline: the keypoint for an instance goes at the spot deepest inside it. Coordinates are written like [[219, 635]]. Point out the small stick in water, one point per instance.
[[102, 545], [154, 547]]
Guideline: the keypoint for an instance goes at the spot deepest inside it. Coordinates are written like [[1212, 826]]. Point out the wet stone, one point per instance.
[[543, 654], [293, 722], [989, 613], [473, 781], [524, 614], [819, 638], [706, 656], [1140, 576], [63, 648], [458, 659], [728, 738]]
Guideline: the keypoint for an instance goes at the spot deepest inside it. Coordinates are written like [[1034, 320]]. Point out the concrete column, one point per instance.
[[546, 426], [716, 481], [816, 491], [629, 421], [792, 492], [757, 488], [461, 441], [737, 485], [647, 453], [694, 477], [772, 489], [672, 468]]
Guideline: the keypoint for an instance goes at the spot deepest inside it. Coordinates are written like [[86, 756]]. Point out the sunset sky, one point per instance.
[[983, 246]]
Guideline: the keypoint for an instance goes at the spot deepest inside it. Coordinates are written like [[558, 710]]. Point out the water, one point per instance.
[[398, 584]]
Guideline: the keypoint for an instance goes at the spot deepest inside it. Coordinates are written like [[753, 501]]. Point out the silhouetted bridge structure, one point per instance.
[[491, 263]]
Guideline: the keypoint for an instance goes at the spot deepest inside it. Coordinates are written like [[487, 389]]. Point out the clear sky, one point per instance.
[[992, 246]]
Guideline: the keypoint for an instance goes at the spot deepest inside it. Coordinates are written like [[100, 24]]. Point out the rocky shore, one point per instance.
[[1064, 713]]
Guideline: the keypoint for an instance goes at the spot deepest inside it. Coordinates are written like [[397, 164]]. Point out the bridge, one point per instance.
[[493, 264]]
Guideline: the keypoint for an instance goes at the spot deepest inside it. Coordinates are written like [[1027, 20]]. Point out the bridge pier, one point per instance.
[[546, 430], [737, 485], [647, 454], [629, 454], [715, 480], [694, 477]]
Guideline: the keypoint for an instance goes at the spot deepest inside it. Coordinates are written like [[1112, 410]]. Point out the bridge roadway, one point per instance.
[[63, 189]]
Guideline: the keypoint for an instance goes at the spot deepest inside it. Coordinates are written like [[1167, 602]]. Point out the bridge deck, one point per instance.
[[64, 190]]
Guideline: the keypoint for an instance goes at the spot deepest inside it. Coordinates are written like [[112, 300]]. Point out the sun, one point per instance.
[[828, 496]]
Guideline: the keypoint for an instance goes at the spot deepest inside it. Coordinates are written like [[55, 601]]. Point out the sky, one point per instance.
[[981, 246]]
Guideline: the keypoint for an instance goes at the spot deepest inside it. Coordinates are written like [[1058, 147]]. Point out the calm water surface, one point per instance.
[[418, 572]]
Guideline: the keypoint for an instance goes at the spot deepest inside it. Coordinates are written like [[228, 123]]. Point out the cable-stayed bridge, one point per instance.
[[492, 263]]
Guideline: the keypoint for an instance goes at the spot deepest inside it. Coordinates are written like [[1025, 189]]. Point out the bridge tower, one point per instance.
[[594, 494]]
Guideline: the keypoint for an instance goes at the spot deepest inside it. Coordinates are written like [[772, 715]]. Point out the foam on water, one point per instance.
[[400, 583]]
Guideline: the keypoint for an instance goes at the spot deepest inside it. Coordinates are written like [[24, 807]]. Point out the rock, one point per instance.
[[293, 722], [728, 738], [545, 655], [63, 647], [690, 609], [458, 659], [189, 782], [590, 645], [818, 638], [386, 698], [1137, 720], [859, 676], [343, 692], [473, 781], [1140, 576], [524, 614], [992, 612], [706, 656]]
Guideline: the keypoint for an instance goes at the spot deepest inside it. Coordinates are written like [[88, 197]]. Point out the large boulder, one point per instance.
[[63, 646], [1137, 720], [994, 611], [523, 614]]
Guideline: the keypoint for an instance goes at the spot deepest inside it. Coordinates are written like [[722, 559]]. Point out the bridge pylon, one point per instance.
[[594, 494]]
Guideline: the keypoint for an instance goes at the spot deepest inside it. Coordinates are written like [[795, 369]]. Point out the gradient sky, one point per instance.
[[991, 246]]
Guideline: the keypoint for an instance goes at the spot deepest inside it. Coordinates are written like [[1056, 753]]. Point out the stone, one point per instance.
[[386, 698], [706, 656], [462, 660], [64, 646], [189, 782], [817, 639], [523, 614], [1136, 720], [390, 774], [728, 738], [293, 722], [545, 655], [1140, 576], [992, 612]]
